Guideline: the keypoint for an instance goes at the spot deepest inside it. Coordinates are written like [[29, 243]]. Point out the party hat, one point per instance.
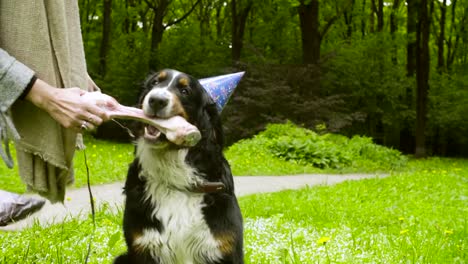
[[220, 88]]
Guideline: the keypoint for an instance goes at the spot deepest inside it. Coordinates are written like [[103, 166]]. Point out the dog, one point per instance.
[[180, 204]]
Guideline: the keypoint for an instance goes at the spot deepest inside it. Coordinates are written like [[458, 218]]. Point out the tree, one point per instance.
[[422, 78], [441, 36], [239, 14], [105, 41], [311, 33], [160, 9]]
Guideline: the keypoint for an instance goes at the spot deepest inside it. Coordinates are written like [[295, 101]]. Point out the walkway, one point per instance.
[[77, 201]]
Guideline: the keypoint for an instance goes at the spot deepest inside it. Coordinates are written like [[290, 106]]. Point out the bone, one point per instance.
[[176, 128]]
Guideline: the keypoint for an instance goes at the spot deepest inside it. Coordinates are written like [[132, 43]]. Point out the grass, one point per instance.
[[107, 163], [419, 215]]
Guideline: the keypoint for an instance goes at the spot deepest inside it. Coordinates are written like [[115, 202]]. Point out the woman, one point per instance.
[[41, 50]]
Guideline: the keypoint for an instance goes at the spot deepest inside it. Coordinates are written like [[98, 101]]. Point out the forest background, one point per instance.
[[393, 70]]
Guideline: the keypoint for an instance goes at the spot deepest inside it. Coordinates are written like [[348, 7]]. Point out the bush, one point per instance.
[[304, 147]]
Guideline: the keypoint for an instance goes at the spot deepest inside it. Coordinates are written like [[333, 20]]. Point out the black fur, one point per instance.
[[221, 213]]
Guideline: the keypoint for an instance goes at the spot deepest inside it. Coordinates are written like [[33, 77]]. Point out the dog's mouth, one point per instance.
[[154, 135]]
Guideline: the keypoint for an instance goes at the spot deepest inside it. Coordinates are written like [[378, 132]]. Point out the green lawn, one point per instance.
[[107, 163], [418, 215]]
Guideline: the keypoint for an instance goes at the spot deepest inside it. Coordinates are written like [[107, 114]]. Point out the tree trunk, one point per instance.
[[348, 17], [239, 20], [441, 38], [105, 41], [157, 31], [309, 21], [372, 18], [160, 9], [412, 7], [380, 17], [363, 20], [394, 28], [422, 79], [407, 143], [219, 22]]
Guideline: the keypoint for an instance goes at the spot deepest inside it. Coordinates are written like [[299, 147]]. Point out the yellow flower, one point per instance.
[[68, 199], [323, 240], [401, 218], [448, 232], [404, 231], [94, 146]]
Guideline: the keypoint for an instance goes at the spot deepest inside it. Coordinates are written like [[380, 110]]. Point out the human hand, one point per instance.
[[67, 106]]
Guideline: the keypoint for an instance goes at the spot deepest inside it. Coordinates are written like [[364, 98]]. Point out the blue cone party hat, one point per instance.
[[220, 88]]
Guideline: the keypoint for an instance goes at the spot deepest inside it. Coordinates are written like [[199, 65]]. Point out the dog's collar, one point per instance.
[[209, 187]]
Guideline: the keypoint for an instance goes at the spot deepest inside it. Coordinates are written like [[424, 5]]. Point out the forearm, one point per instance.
[[14, 78]]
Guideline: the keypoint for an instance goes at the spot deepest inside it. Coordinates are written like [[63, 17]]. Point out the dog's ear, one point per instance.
[[216, 130]]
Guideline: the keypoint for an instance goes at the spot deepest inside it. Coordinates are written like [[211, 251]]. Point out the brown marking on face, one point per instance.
[[178, 109], [183, 82], [225, 242], [162, 76]]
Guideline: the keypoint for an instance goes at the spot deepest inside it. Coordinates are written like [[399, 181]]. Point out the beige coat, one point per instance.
[[46, 37]]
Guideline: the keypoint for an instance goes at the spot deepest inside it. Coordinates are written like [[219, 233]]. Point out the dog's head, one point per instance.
[[169, 93]]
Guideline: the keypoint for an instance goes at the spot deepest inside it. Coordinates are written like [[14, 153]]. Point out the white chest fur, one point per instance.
[[186, 238]]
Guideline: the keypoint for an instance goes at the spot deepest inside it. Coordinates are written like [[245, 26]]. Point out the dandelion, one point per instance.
[[323, 240], [401, 219], [404, 231], [448, 232], [68, 199]]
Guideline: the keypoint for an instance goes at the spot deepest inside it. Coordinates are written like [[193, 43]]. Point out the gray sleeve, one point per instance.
[[14, 77]]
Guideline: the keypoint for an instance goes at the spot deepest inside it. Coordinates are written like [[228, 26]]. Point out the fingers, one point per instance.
[[95, 114], [85, 126]]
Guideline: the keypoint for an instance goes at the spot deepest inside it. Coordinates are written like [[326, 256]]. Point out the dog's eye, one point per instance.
[[154, 82], [184, 91]]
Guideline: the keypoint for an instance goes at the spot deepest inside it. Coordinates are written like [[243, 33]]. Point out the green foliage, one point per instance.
[[416, 216], [448, 109], [297, 146]]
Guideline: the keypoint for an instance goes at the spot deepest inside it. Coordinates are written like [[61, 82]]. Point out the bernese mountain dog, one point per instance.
[[180, 204]]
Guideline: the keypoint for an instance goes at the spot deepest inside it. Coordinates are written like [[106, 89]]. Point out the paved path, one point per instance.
[[77, 201]]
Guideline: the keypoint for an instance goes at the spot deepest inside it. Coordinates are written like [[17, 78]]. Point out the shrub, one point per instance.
[[304, 147]]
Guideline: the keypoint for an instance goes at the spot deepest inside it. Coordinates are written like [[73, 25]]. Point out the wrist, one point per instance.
[[40, 93], [28, 87]]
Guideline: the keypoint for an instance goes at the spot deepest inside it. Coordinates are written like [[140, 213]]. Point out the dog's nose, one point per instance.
[[157, 102]]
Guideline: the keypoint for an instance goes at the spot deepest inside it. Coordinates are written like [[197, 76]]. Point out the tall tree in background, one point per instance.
[[406, 135], [311, 36], [378, 10], [411, 26], [239, 13], [160, 9], [311, 33], [394, 27], [441, 36], [106, 33], [422, 78]]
